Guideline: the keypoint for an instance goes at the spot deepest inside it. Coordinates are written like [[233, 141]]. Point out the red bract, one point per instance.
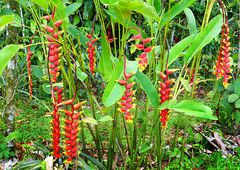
[[164, 91], [91, 53], [127, 99]]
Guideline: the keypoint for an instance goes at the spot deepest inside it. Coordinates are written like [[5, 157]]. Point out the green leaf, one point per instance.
[[37, 71], [195, 109], [77, 34], [70, 9], [105, 62], [148, 87], [83, 164], [105, 119], [47, 89], [157, 5], [237, 104], [145, 148], [114, 91], [204, 37], [232, 98], [94, 161], [185, 84], [32, 164], [177, 49], [6, 54], [191, 21], [174, 11], [42, 3], [12, 136], [90, 120], [167, 104], [119, 15], [141, 7], [237, 86], [6, 19], [33, 26], [132, 67], [107, 2], [81, 75], [237, 116]]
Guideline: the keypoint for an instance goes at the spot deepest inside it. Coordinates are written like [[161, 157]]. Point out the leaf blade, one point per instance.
[[114, 91], [195, 109], [204, 37], [6, 54], [148, 87]]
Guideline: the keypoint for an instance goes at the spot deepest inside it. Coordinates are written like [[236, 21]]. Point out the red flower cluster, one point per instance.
[[71, 128], [56, 122], [54, 55], [164, 91], [56, 132], [91, 52], [29, 55], [142, 59], [127, 99], [223, 61]]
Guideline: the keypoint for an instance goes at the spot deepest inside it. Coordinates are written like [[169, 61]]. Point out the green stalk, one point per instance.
[[127, 135], [98, 141], [112, 138], [134, 135], [198, 57], [163, 140], [174, 141], [182, 149]]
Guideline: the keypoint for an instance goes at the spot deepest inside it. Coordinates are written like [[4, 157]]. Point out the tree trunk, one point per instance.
[[11, 76]]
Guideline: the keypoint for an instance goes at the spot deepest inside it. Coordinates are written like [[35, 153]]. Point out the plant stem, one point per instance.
[[111, 141], [198, 57]]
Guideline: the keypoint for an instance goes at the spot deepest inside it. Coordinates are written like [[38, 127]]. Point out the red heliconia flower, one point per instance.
[[56, 122], [126, 102], [54, 48], [223, 65], [71, 130], [164, 91], [142, 59], [91, 53]]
